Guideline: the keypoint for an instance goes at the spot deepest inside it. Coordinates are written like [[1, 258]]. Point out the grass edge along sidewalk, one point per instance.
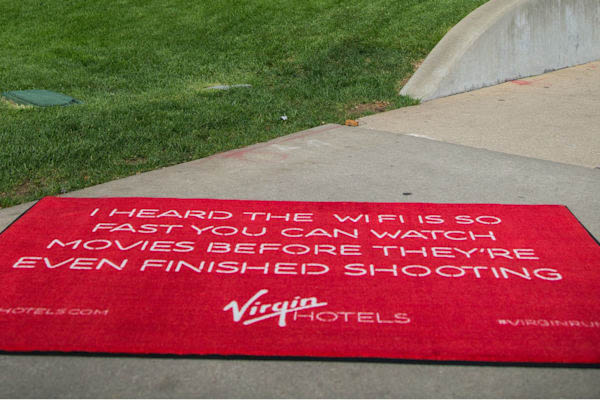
[[142, 69]]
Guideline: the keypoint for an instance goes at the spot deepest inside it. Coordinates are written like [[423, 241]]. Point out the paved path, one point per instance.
[[331, 162], [555, 116]]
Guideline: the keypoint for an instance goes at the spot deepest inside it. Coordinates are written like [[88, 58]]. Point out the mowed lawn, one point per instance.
[[141, 68]]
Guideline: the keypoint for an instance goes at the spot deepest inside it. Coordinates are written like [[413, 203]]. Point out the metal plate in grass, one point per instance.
[[39, 98]]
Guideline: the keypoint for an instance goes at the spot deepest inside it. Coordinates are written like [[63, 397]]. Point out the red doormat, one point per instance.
[[465, 282]]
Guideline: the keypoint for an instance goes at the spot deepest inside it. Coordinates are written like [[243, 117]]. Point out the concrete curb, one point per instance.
[[509, 39]]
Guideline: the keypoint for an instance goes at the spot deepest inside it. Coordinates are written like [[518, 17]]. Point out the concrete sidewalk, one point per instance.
[[330, 162], [534, 141], [554, 116]]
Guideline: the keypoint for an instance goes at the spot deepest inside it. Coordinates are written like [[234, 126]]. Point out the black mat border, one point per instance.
[[19, 217], [243, 357], [583, 226]]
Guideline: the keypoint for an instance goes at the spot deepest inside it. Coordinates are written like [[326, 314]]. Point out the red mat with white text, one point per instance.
[[465, 282]]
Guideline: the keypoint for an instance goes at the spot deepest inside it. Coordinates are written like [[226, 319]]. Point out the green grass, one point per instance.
[[140, 66]]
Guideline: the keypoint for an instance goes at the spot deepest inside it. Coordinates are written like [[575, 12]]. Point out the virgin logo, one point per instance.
[[254, 311]]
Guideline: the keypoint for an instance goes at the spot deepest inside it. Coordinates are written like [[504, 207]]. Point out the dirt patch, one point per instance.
[[376, 107], [14, 105], [24, 188], [135, 160], [415, 65]]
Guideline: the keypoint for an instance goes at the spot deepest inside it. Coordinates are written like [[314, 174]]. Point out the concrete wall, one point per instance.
[[509, 39]]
